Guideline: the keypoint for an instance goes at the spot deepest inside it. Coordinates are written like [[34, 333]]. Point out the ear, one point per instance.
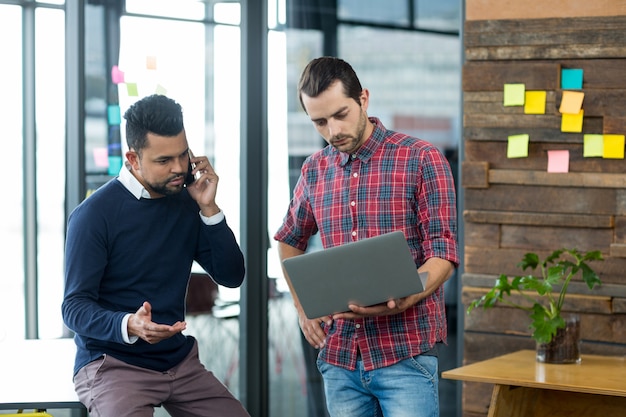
[[365, 99], [133, 159]]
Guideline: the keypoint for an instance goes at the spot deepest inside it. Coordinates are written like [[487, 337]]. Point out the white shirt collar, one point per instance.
[[131, 183]]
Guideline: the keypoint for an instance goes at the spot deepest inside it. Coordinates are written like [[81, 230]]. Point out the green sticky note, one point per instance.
[[514, 94], [613, 147], [535, 102], [517, 146], [572, 122], [132, 89], [572, 79], [593, 146]]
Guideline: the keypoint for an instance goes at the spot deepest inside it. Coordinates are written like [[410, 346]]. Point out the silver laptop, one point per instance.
[[366, 272]]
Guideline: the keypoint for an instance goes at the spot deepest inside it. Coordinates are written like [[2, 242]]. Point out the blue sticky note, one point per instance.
[[572, 79], [113, 115]]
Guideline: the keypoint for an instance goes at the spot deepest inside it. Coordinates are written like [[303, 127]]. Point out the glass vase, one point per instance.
[[565, 346]]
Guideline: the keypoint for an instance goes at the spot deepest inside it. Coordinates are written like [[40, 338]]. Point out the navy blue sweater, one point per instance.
[[120, 252]]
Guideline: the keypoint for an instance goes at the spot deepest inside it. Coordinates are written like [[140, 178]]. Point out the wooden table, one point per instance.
[[37, 374], [596, 387]]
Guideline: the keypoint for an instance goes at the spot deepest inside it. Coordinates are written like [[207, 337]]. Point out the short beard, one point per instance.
[[163, 189]]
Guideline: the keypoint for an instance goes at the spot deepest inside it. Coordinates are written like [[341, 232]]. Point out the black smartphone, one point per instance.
[[189, 178]]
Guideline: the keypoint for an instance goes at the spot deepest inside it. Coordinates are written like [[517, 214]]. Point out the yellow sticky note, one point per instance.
[[572, 122], [517, 146], [160, 90], [151, 63], [558, 161], [613, 147], [571, 102], [514, 94], [593, 146], [535, 102]]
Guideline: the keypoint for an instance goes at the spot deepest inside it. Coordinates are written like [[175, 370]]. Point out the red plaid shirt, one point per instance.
[[393, 182]]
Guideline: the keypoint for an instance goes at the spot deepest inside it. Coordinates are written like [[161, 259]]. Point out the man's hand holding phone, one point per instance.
[[202, 184]]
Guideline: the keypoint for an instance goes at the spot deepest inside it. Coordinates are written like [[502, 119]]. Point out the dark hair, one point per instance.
[[156, 114], [321, 73]]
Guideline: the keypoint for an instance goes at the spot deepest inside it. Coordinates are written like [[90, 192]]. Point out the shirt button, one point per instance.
[[355, 175], [354, 233], [353, 156], [358, 326], [353, 203]]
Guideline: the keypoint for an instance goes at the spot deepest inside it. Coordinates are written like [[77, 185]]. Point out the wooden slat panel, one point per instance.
[[599, 74], [587, 304], [546, 36], [544, 52], [620, 230], [590, 126], [475, 174], [546, 219], [607, 30], [483, 234], [620, 203], [521, 123], [597, 103], [547, 238], [516, 121], [619, 306], [616, 125], [539, 199], [491, 102], [533, 9], [494, 152], [570, 179], [512, 321], [489, 261], [618, 250], [491, 76], [576, 287]]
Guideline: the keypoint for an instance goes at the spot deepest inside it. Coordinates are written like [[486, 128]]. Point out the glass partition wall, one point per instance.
[[191, 51]]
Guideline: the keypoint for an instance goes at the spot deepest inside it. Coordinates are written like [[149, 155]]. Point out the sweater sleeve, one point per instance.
[[85, 263], [220, 255]]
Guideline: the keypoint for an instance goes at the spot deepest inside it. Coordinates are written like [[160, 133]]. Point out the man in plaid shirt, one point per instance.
[[382, 359]]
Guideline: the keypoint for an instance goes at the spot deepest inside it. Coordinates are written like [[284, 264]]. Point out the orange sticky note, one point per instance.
[[572, 122], [558, 161], [613, 147], [151, 62], [572, 102]]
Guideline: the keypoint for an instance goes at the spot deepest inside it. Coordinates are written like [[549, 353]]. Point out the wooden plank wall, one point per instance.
[[513, 205]]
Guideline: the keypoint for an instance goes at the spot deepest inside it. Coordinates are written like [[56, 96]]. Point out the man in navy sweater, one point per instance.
[[129, 252]]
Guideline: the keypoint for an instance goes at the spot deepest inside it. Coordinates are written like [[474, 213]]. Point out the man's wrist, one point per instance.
[[212, 219]]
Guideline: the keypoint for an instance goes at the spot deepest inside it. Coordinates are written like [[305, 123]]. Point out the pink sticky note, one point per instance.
[[117, 76], [558, 161], [101, 157]]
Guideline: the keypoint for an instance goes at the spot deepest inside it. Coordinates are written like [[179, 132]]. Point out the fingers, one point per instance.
[[313, 332], [204, 171]]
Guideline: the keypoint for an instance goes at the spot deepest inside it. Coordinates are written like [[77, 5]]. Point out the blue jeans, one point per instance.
[[407, 389]]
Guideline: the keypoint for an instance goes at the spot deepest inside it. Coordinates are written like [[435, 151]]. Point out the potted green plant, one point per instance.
[[546, 294]]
